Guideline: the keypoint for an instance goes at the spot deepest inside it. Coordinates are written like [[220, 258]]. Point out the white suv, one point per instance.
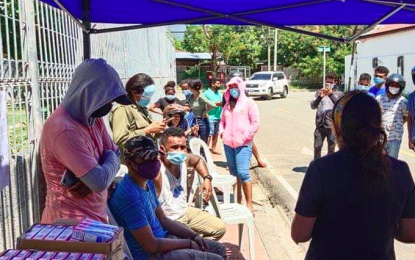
[[267, 84]]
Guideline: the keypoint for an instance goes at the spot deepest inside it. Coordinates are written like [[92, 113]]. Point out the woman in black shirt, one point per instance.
[[170, 98], [354, 203]]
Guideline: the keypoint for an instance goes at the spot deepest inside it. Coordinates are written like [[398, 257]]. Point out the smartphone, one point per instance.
[[327, 86], [69, 179], [169, 120]]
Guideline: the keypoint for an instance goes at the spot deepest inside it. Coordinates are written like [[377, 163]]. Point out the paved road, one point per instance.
[[286, 141]]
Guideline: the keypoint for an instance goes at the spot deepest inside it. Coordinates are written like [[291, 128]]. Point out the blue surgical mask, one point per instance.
[[149, 91], [144, 102], [187, 92], [378, 80], [234, 93], [146, 97], [170, 97], [176, 158], [363, 88]]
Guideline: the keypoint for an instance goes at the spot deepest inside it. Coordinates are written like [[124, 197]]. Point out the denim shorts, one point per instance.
[[239, 161], [214, 126]]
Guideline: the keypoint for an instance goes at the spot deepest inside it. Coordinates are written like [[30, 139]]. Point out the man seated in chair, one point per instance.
[[151, 235], [171, 185]]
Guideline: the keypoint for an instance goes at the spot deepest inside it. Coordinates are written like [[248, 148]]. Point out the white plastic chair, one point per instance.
[[224, 182], [231, 213]]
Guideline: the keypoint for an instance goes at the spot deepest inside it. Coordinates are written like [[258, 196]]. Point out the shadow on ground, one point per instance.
[[264, 99], [221, 164], [233, 252], [302, 169]]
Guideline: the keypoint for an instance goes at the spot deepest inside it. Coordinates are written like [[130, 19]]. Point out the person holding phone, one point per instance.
[[132, 120], [324, 103], [79, 159], [174, 114]]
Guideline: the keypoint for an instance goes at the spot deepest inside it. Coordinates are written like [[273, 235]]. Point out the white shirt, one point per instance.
[[173, 195], [393, 112]]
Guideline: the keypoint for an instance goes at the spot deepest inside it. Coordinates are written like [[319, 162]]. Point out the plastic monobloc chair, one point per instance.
[[224, 182]]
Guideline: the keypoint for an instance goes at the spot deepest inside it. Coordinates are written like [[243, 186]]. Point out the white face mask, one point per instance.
[[363, 88], [394, 90]]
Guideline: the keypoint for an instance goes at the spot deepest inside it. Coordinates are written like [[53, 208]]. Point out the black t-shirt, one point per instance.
[[353, 221], [162, 103]]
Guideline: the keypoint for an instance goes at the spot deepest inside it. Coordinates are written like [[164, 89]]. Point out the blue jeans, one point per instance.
[[204, 128], [393, 147], [214, 126], [239, 160]]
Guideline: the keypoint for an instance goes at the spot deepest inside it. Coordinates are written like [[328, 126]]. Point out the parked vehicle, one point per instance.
[[266, 84]]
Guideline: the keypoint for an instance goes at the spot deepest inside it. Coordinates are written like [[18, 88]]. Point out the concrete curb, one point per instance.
[[276, 190], [303, 90]]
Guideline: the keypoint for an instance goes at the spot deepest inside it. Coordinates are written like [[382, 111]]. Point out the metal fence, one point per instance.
[[58, 43]]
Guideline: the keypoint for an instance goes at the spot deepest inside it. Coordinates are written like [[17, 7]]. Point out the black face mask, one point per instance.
[[103, 111]]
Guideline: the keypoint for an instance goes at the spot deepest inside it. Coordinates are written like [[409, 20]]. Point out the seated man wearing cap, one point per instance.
[[148, 232], [172, 185]]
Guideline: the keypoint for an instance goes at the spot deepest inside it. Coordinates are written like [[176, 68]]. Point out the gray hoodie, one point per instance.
[[94, 84]]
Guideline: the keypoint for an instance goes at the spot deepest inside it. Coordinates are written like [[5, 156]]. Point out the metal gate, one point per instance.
[[41, 46]]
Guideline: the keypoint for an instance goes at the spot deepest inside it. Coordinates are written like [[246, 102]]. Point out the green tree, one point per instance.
[[244, 45]]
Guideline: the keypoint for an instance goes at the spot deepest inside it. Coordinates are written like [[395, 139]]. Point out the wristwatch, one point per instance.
[[209, 177]]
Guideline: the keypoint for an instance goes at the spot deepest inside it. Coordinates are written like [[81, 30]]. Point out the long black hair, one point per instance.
[[362, 133]]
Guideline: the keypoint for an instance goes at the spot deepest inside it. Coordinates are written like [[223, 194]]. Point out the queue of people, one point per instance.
[[80, 159]]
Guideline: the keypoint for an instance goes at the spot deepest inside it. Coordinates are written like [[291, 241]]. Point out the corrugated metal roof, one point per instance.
[[193, 56], [387, 29]]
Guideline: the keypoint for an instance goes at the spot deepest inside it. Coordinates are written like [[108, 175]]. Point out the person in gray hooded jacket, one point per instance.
[[79, 159]]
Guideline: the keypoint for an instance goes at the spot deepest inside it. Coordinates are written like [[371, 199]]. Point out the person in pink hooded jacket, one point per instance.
[[238, 125]]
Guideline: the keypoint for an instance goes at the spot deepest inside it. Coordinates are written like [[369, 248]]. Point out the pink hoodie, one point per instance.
[[239, 125]]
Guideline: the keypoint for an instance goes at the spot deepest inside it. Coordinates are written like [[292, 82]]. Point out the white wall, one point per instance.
[[387, 49]]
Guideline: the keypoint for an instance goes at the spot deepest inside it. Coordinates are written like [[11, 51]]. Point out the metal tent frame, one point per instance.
[[85, 24]]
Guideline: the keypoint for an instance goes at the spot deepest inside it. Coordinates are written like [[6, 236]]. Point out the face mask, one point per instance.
[[187, 92], [170, 97], [378, 80], [363, 88], [176, 158], [103, 111], [394, 90], [143, 102], [146, 97], [234, 93], [149, 91], [149, 170]]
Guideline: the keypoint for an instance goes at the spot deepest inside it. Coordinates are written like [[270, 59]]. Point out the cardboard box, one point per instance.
[[113, 250]]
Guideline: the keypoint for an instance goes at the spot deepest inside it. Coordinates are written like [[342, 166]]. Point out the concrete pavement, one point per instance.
[[285, 141], [272, 231]]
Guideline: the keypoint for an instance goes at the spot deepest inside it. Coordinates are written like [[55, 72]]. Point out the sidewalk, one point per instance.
[[272, 227], [230, 240]]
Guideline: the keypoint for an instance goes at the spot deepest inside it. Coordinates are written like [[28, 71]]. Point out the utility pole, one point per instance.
[[275, 49], [269, 49], [324, 67]]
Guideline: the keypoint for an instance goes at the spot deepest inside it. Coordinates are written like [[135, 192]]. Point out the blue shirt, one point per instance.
[[411, 109], [377, 91], [134, 208]]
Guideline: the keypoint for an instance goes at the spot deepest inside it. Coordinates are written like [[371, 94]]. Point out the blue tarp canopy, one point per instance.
[[281, 14]]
